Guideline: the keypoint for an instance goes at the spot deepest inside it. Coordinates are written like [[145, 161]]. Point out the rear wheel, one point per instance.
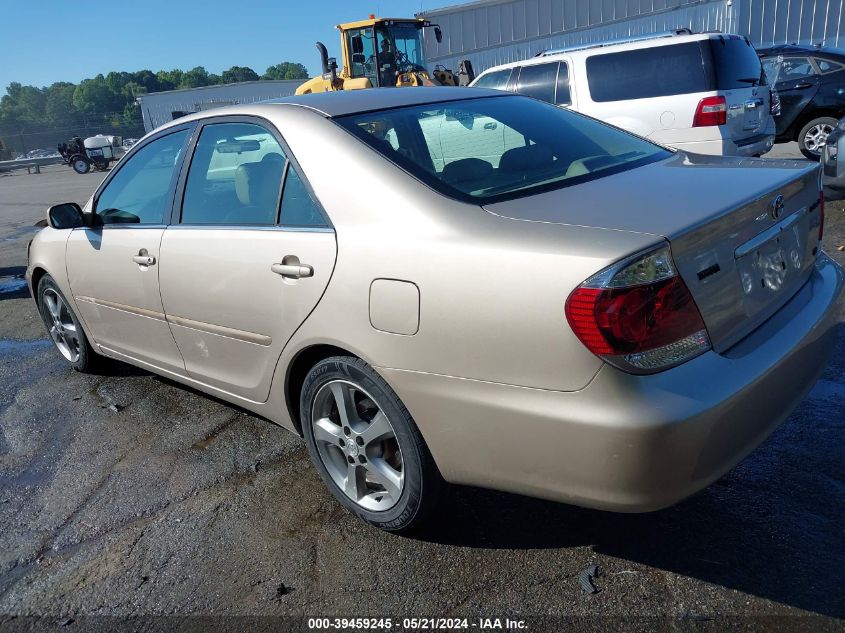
[[366, 446], [80, 165], [813, 135], [63, 326]]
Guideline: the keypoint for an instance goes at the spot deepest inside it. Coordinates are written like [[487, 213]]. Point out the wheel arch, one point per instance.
[[805, 117], [299, 367], [37, 275]]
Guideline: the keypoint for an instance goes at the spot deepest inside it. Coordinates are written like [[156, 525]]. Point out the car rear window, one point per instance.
[[498, 148], [658, 71], [735, 63]]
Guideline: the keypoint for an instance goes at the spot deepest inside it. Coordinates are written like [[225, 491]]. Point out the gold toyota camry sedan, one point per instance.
[[466, 286]]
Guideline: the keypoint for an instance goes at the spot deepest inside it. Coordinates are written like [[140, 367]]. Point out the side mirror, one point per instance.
[[438, 34], [67, 215]]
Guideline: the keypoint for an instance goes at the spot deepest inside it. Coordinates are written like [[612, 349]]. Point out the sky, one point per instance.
[[55, 40]]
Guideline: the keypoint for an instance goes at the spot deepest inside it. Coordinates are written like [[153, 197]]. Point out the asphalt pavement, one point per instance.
[[124, 495]]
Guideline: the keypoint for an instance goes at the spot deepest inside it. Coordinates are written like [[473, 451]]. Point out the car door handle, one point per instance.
[[143, 258], [802, 85], [292, 271]]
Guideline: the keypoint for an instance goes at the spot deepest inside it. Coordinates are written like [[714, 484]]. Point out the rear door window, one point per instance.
[[235, 176], [658, 71], [538, 81], [780, 68], [735, 63]]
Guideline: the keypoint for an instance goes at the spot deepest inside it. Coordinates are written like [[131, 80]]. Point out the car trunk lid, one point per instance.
[[741, 258]]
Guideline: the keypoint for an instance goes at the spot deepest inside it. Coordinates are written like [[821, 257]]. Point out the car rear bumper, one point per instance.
[[630, 443], [754, 146]]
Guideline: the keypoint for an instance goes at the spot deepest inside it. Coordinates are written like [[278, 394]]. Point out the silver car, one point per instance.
[[440, 285]]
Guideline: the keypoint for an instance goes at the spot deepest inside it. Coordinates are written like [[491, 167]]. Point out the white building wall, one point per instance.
[[492, 32], [157, 108]]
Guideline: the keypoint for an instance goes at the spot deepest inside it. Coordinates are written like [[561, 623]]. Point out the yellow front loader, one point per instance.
[[381, 52]]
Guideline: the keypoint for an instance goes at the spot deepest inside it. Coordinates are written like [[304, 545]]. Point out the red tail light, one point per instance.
[[821, 214], [711, 111], [638, 315]]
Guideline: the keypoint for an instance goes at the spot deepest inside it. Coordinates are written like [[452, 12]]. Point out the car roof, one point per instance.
[[343, 102]]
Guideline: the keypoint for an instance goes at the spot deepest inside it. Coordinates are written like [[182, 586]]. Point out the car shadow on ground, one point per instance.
[[772, 527]]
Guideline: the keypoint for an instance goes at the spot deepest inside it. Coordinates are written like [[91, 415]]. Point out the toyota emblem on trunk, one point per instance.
[[776, 209]]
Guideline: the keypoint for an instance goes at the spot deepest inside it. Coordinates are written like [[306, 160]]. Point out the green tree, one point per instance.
[[59, 103], [147, 79], [237, 74], [286, 70], [117, 81], [194, 78], [169, 79], [93, 97]]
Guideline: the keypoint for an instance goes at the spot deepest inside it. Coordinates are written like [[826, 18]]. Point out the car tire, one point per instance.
[[812, 136], [63, 326], [80, 165], [373, 459]]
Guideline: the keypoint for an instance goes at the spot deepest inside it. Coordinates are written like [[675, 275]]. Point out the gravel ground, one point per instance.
[[123, 494]]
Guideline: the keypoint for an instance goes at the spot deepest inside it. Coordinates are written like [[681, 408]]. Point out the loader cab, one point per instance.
[[378, 49]]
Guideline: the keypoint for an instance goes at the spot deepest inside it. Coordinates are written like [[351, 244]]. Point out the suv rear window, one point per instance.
[[498, 148], [735, 63], [658, 71]]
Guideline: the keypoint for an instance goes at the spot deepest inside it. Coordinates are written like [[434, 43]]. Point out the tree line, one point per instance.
[[29, 115]]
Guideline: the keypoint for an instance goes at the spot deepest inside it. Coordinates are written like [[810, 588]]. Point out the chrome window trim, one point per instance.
[[121, 225], [252, 227]]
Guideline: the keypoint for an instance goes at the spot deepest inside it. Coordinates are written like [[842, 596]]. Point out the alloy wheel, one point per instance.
[[816, 137], [357, 445], [60, 324]]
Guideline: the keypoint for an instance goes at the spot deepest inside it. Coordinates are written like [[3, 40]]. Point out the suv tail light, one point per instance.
[[711, 111], [638, 314]]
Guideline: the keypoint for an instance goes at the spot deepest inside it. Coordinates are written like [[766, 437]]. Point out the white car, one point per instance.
[[702, 93]]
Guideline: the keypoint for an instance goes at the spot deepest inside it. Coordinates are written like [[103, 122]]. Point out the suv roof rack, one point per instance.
[[621, 40]]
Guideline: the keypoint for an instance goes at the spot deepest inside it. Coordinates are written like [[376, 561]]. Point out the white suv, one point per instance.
[[702, 92]]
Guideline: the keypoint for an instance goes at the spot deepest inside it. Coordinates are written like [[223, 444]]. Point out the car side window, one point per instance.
[[563, 96], [298, 207], [235, 176], [657, 71], [497, 80], [138, 192], [795, 68], [538, 81]]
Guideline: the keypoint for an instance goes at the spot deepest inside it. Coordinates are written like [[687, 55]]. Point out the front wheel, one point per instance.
[[63, 326], [365, 445], [813, 135]]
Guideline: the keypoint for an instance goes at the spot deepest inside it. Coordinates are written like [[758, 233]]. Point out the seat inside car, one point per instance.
[[466, 172], [529, 159], [257, 188]]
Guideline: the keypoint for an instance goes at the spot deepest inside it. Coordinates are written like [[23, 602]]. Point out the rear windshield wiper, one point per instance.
[[749, 80]]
